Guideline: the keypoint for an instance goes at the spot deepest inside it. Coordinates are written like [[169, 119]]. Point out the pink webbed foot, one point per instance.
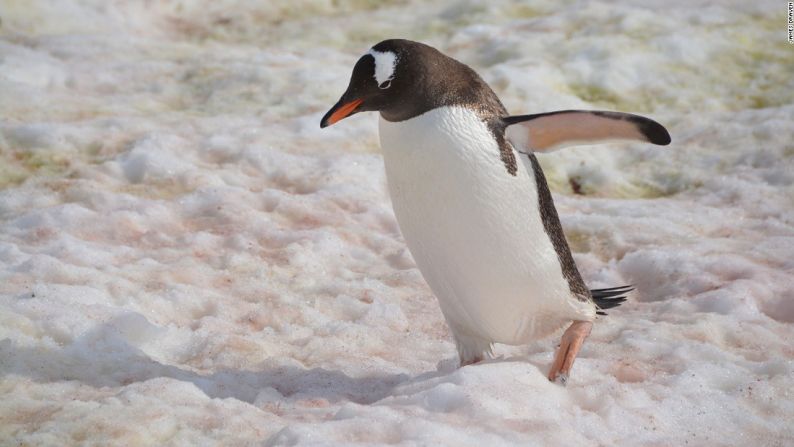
[[571, 342]]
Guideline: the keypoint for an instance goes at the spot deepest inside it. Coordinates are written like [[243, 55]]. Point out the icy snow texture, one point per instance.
[[187, 259]]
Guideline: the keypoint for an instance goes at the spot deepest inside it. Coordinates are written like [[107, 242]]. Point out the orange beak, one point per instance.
[[340, 111]]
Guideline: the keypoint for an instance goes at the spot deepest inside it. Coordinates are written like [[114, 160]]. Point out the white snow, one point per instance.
[[186, 258]]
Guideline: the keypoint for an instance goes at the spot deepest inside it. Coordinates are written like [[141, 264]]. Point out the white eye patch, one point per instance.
[[385, 61]]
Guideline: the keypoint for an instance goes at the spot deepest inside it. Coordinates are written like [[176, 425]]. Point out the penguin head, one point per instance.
[[390, 78]]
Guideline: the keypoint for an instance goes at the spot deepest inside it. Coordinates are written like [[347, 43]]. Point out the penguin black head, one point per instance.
[[379, 77], [402, 79]]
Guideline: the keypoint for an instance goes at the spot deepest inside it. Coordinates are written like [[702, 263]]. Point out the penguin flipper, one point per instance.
[[546, 132]]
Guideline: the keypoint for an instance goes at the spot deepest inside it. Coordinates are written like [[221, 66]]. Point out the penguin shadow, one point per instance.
[[103, 357]]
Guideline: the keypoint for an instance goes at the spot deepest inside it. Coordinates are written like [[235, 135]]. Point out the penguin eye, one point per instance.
[[385, 84]]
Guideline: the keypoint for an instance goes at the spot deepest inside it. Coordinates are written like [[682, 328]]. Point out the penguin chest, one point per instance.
[[474, 230]]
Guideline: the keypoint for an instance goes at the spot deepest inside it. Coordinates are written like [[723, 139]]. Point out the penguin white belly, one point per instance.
[[474, 230]]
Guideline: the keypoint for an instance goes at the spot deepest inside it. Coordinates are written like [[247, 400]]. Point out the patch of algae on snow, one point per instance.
[[562, 182], [17, 166], [750, 73]]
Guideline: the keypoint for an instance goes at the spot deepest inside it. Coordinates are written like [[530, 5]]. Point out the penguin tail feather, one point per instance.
[[609, 298]]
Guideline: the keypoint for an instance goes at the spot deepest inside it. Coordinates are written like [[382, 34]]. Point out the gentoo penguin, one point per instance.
[[472, 202]]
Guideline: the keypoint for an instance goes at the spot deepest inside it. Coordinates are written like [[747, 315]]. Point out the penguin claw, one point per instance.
[[561, 379]]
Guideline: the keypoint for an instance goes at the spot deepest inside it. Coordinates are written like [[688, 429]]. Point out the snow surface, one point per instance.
[[187, 259]]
